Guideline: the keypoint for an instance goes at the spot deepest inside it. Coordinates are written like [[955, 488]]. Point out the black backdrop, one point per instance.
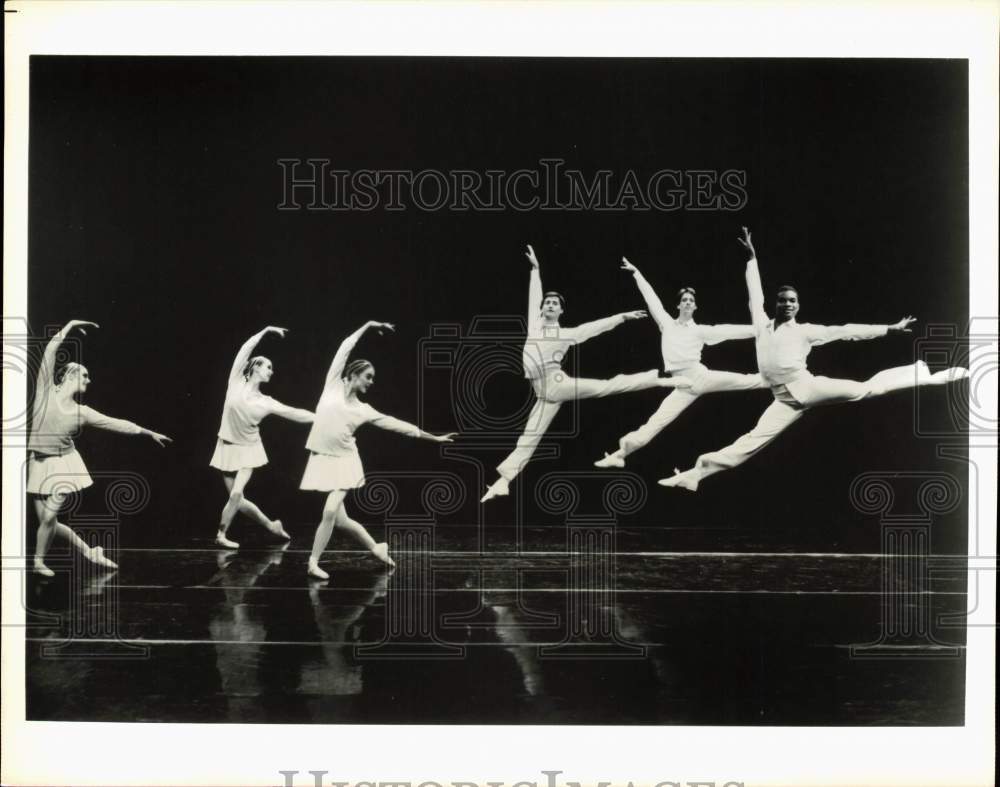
[[153, 194]]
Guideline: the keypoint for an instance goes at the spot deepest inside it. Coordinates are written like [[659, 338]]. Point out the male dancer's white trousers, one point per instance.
[[791, 402], [554, 389], [703, 381]]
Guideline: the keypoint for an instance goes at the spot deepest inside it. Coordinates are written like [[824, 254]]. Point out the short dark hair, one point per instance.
[[786, 288], [684, 291], [554, 294]]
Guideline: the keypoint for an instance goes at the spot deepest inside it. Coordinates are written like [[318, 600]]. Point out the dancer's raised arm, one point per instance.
[[754, 288], [653, 302], [46, 371], [246, 350], [534, 290], [346, 346]]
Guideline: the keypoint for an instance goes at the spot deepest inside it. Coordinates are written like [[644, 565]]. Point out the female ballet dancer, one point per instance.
[[544, 349], [239, 448], [55, 469], [783, 345], [334, 464], [681, 343]]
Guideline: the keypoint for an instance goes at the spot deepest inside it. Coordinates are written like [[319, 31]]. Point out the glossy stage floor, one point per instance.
[[593, 626]]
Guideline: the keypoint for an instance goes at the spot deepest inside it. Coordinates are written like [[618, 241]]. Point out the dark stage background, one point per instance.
[[154, 187]]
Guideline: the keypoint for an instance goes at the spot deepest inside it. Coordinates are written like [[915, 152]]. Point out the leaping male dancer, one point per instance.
[[681, 343], [782, 347], [544, 349]]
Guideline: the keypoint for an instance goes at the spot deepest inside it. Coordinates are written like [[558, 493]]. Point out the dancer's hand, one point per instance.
[[530, 254], [747, 243], [903, 325], [639, 314], [443, 438], [681, 382], [628, 266], [381, 326], [274, 329], [81, 324], [160, 439]]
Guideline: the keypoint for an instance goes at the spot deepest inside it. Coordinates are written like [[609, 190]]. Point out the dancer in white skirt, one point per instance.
[[681, 343], [334, 464], [55, 469], [239, 449], [545, 348], [782, 347]]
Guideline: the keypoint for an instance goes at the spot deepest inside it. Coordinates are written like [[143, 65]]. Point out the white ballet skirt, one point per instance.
[[325, 473], [230, 457], [61, 474]]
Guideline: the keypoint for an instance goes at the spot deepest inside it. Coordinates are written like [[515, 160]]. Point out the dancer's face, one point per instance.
[[364, 380], [687, 305], [82, 379], [552, 308], [264, 370], [787, 306]]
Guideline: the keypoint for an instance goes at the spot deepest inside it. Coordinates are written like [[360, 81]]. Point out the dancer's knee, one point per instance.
[[235, 498]]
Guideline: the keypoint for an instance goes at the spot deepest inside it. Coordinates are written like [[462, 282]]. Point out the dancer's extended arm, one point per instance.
[[589, 330], [91, 417], [391, 424], [653, 302], [855, 332], [296, 414], [344, 351], [247, 348], [714, 334], [754, 288]]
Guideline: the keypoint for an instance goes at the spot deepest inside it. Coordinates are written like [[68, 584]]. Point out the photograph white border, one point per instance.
[[171, 754]]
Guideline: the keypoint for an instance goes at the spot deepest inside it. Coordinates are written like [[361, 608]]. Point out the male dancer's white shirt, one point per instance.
[[782, 348], [546, 345]]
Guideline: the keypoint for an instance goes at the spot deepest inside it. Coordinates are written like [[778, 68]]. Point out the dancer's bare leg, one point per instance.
[[46, 508], [356, 529], [334, 501], [235, 485]]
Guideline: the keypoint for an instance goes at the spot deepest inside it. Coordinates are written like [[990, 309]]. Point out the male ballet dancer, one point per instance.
[[681, 343], [544, 349], [782, 347]]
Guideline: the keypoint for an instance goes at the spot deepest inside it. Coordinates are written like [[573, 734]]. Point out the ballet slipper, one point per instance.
[[96, 555], [687, 480], [43, 570], [611, 460], [279, 530], [381, 551], [500, 488], [315, 571], [222, 541]]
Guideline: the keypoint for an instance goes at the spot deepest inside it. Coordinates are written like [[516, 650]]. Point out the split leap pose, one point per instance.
[[55, 469], [334, 464], [681, 342], [544, 349], [782, 347], [239, 449]]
